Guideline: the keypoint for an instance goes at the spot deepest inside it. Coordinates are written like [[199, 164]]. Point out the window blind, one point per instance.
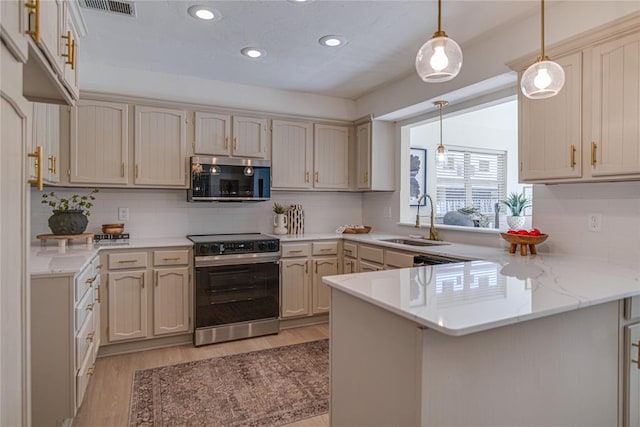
[[471, 177]]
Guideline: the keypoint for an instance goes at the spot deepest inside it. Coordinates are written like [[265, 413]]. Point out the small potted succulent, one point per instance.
[[69, 215], [279, 219], [516, 202]]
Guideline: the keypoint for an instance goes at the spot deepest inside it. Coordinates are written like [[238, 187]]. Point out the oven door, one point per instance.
[[227, 294]]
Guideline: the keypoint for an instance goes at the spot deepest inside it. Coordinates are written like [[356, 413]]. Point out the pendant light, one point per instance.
[[439, 59], [544, 78], [441, 152]]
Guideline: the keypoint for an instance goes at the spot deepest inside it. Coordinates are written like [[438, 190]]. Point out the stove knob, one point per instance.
[[261, 246], [272, 246], [203, 249]]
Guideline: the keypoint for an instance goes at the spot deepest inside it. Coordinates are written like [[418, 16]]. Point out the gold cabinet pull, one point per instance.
[[316, 265], [637, 362], [90, 336], [235, 143], [295, 251], [137, 171], [326, 249], [226, 142], [157, 277], [171, 258], [52, 167], [38, 156], [142, 280], [73, 54], [90, 280], [348, 250], [89, 307], [573, 156], [125, 261], [124, 168], [306, 266], [366, 177], [55, 165], [99, 267], [69, 54], [594, 146], [317, 176], [34, 10], [91, 370], [306, 176], [97, 300]]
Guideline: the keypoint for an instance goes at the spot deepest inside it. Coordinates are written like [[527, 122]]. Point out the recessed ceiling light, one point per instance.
[[332, 41], [300, 1], [252, 52], [204, 12]]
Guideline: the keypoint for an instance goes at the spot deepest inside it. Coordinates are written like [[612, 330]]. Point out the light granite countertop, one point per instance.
[[51, 260]]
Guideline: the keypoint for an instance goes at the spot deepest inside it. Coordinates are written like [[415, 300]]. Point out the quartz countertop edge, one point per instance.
[[519, 290], [50, 260]]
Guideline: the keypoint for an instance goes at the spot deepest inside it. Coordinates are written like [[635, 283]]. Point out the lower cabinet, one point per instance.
[[149, 294], [65, 324], [362, 258], [301, 271]]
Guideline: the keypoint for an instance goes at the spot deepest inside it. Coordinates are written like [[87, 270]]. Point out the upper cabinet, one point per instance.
[[615, 107], [331, 157], [99, 143], [224, 135], [43, 35], [375, 158], [160, 146], [291, 154], [550, 136], [590, 130], [46, 133]]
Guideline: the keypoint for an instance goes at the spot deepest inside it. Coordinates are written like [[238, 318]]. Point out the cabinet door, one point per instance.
[[632, 376], [331, 157], [127, 305], [15, 114], [160, 146], [249, 137], [46, 133], [51, 16], [550, 134], [291, 154], [171, 301], [615, 107], [363, 137], [364, 266], [99, 143], [350, 265], [213, 134], [294, 284], [13, 28], [321, 293], [69, 48]]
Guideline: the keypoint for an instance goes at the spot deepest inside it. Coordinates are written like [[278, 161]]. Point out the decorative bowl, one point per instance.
[[364, 230], [521, 239], [113, 228]]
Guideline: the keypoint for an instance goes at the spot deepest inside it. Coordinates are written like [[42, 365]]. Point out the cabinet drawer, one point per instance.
[[394, 259], [632, 308], [371, 254], [350, 265], [127, 260], [84, 374], [350, 249], [84, 338], [179, 257], [84, 307], [294, 250], [368, 266], [96, 265], [83, 282], [324, 248]]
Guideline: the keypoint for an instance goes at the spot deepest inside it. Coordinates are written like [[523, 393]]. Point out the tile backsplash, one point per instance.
[[166, 213]]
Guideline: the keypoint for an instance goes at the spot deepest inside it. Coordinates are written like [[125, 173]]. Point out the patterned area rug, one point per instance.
[[262, 388]]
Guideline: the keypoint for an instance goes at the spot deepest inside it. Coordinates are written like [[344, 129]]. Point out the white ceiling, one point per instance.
[[383, 38]]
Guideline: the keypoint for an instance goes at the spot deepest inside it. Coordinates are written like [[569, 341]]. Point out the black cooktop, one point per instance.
[[227, 244]]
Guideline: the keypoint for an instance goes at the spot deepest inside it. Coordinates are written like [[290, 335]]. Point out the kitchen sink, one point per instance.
[[412, 242]]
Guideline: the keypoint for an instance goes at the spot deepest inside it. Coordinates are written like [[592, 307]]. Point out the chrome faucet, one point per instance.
[[433, 234]]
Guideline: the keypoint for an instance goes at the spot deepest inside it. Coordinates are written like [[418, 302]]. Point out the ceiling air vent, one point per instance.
[[113, 6]]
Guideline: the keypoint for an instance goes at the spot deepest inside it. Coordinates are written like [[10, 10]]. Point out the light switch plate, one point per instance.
[[595, 222], [123, 214]]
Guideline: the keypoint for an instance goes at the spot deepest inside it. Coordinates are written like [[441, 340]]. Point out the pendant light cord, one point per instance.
[[441, 124], [542, 56], [439, 16]]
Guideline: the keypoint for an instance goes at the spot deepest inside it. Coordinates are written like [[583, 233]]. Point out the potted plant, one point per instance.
[[516, 202], [69, 215], [279, 219]]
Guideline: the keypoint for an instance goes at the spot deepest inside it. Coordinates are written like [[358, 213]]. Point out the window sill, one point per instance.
[[456, 228]]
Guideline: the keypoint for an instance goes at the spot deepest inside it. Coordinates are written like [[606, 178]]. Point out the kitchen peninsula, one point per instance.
[[514, 341]]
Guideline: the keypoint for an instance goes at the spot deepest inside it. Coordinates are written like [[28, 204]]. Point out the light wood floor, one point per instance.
[[106, 402]]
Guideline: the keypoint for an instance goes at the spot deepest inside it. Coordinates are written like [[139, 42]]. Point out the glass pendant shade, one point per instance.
[[441, 156], [439, 60], [543, 79]]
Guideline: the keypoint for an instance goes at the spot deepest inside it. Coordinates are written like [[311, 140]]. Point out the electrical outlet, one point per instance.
[[595, 222], [123, 214], [387, 212]]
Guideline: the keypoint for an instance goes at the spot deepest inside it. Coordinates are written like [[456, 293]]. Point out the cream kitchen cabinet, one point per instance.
[[632, 375], [148, 294], [375, 156], [331, 157], [99, 143], [294, 284], [14, 26], [160, 146], [350, 257], [226, 135], [291, 154], [46, 133], [325, 263], [69, 49], [64, 346], [397, 259]]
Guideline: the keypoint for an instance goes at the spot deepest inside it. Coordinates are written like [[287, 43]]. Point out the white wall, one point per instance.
[[172, 87], [166, 213]]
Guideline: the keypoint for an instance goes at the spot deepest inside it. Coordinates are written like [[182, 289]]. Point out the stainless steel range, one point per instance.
[[237, 290]]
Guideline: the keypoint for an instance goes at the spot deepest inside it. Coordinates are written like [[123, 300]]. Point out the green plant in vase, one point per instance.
[[69, 214], [516, 202]]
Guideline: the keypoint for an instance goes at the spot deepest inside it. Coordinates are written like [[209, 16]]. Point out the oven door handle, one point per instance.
[[239, 259]]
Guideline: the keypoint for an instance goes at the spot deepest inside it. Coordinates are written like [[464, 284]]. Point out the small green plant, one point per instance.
[[76, 202], [516, 202], [278, 208]]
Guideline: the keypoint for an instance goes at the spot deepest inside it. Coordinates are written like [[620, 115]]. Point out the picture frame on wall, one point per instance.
[[417, 176]]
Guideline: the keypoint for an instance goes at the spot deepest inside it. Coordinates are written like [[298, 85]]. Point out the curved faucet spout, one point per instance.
[[433, 234]]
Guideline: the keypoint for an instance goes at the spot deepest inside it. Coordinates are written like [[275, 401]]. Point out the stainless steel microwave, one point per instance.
[[219, 179]]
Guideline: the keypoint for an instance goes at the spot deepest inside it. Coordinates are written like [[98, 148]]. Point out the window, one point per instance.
[[471, 178]]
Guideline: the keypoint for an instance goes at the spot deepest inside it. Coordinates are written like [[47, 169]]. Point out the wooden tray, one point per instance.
[[364, 230], [524, 242], [62, 239]]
